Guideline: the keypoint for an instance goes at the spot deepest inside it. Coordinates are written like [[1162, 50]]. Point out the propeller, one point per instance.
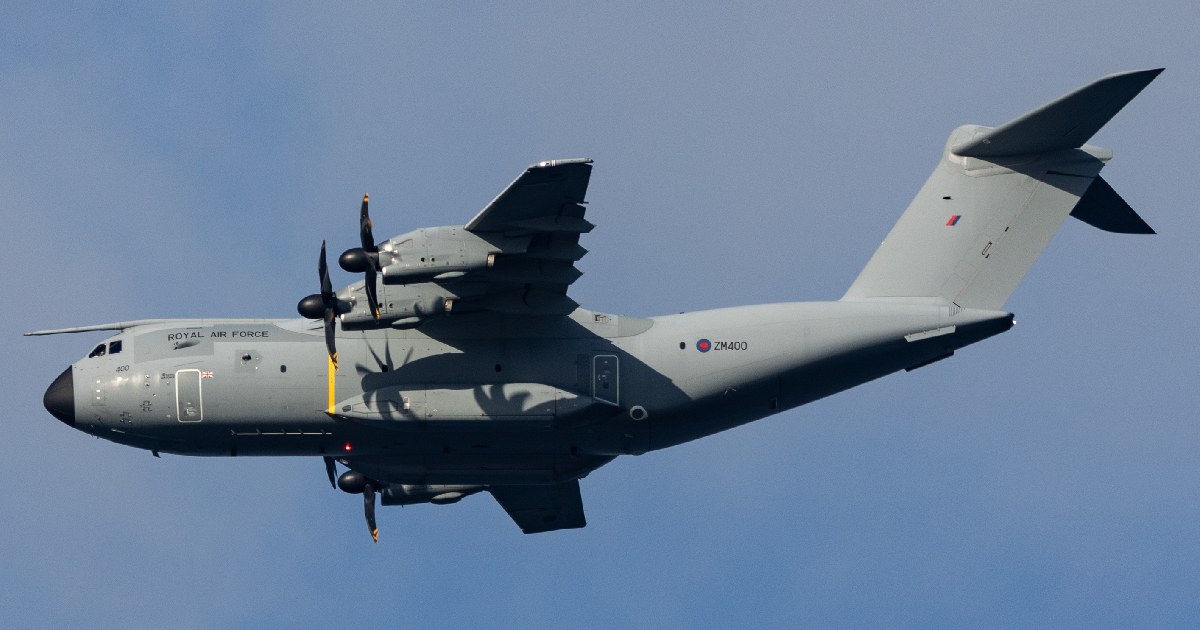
[[364, 259], [324, 306], [355, 482]]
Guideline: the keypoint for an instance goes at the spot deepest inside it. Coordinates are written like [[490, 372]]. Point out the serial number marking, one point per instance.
[[708, 345]]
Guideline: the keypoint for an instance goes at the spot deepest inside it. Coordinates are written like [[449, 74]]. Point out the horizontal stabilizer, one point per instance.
[[1103, 208], [1066, 123]]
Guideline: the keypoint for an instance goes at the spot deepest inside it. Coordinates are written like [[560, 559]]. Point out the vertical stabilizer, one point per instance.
[[997, 197]]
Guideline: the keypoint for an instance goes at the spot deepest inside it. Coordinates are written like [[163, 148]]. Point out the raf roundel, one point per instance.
[[704, 345]]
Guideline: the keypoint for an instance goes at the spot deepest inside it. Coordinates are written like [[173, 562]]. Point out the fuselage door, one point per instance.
[[188, 400], [606, 386]]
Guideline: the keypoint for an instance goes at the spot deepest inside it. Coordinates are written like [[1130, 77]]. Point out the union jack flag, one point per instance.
[[206, 374]]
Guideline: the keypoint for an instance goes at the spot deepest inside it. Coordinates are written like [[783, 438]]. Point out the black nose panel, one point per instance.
[[60, 398]]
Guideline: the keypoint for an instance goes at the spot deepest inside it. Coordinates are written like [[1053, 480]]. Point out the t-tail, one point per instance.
[[997, 197]]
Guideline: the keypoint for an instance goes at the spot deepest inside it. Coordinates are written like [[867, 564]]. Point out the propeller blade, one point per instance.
[[364, 228], [330, 334], [323, 272], [369, 508], [329, 300], [367, 237], [331, 470], [372, 298]]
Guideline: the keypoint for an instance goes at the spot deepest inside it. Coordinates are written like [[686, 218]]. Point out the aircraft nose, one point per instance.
[[60, 398]]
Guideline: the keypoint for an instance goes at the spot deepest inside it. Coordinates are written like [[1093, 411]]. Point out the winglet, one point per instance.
[[1066, 123]]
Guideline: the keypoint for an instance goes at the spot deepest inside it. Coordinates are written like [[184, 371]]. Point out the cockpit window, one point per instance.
[[114, 347], [98, 351]]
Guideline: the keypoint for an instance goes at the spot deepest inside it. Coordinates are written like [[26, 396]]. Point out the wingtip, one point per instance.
[[1144, 77], [552, 163]]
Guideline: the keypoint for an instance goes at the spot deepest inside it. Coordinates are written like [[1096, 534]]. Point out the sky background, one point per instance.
[[164, 160]]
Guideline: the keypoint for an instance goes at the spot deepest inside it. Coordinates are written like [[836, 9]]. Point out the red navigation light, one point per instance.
[[347, 447]]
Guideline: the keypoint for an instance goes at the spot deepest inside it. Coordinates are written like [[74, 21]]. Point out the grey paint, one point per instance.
[[485, 379]]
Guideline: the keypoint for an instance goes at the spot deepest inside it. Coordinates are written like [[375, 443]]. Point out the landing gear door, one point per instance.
[[188, 402], [606, 386]]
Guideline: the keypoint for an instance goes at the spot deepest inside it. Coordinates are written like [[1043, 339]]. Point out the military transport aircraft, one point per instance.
[[459, 364]]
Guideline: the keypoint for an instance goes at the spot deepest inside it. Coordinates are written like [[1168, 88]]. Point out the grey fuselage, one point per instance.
[[484, 398]]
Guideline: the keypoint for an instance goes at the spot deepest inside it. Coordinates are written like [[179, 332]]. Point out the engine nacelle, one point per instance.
[[405, 494], [396, 303], [435, 252]]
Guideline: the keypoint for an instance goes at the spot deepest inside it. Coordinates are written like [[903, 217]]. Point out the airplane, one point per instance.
[[458, 364]]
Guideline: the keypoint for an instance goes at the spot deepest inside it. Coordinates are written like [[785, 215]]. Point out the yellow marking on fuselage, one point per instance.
[[332, 384]]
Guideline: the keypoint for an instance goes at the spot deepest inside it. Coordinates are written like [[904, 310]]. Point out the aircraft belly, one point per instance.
[[477, 468]]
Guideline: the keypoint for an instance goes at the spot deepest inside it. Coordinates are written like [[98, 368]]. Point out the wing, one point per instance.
[[516, 256], [543, 210], [539, 509], [546, 197]]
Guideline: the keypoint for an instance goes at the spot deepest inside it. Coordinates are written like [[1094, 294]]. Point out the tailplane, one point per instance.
[[997, 197]]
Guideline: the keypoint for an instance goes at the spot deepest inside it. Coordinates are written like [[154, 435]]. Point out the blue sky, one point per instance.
[[164, 160]]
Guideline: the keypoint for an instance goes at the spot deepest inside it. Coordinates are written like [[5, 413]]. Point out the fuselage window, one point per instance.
[[114, 347], [98, 351]]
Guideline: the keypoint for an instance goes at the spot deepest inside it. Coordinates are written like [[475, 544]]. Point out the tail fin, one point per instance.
[[997, 197]]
